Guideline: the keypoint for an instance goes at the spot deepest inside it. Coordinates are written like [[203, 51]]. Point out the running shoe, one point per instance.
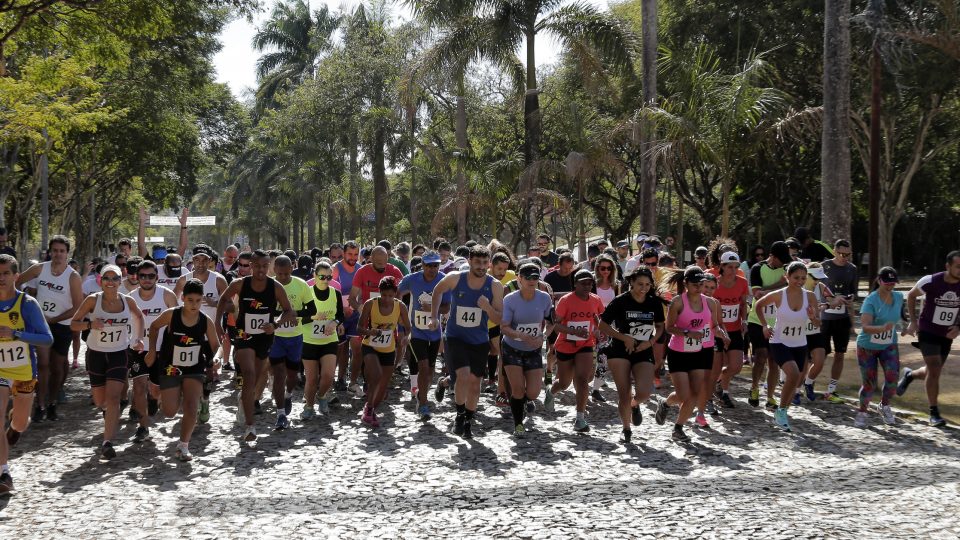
[[204, 415], [6, 483], [887, 414], [598, 397], [468, 430], [904, 381], [257, 408], [625, 436], [711, 409], [717, 390], [833, 397], [771, 404], [861, 419], [548, 404], [780, 417], [38, 414], [811, 395], [725, 401], [307, 413], [183, 452], [374, 421], [441, 390], [324, 405], [754, 399], [282, 423], [143, 433], [458, 423], [367, 416], [227, 366], [52, 412], [796, 398], [356, 391], [490, 389], [107, 451], [937, 421], [580, 425], [287, 405], [661, 415], [502, 401], [425, 412], [250, 434], [531, 406], [340, 385], [519, 431], [635, 416], [701, 421], [679, 435]]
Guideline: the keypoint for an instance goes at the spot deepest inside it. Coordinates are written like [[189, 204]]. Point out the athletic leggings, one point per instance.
[[870, 360]]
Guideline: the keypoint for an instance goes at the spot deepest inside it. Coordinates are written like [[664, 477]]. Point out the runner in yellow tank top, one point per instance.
[[383, 321]]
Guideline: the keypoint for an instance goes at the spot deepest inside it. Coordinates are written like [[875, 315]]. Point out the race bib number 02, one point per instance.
[[254, 323]]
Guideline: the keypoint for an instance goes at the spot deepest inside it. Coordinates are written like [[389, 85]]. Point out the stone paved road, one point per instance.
[[334, 478]]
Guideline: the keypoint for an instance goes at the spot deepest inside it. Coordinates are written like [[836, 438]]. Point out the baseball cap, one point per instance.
[[111, 268], [693, 274], [888, 275], [729, 257], [582, 275], [529, 271], [816, 272], [700, 252], [202, 249], [431, 257], [623, 244]]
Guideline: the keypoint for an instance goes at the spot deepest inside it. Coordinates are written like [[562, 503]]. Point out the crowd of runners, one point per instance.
[[162, 329]]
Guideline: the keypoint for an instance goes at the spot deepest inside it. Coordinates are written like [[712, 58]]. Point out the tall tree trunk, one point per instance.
[[380, 187], [8, 160], [835, 150], [43, 171], [462, 188], [354, 210], [312, 220], [648, 171], [531, 146], [331, 217]]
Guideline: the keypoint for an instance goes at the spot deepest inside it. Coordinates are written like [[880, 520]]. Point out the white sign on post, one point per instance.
[[153, 239], [174, 221]]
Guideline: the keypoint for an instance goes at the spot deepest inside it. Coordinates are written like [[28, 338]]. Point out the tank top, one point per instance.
[[167, 281], [694, 321], [315, 333], [385, 341], [210, 292], [606, 295], [16, 357], [346, 283], [186, 350], [53, 292], [467, 322], [151, 309], [941, 304], [257, 309], [790, 329], [117, 327]]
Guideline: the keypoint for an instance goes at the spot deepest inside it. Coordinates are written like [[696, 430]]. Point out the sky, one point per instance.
[[235, 62]]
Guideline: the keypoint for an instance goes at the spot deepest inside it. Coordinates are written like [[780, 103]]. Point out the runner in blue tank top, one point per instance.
[[477, 298], [343, 273]]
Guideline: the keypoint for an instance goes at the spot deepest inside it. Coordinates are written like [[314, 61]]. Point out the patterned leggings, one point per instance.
[[870, 361]]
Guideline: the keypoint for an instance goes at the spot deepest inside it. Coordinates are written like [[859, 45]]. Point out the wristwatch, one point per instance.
[[686, 331]]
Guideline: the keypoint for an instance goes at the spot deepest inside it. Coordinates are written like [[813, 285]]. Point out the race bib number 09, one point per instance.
[[945, 316]]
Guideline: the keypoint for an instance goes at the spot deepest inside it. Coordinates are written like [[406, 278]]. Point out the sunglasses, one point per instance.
[[844, 253], [241, 265], [431, 265], [324, 278], [654, 263], [604, 269], [146, 276], [531, 278], [113, 279]]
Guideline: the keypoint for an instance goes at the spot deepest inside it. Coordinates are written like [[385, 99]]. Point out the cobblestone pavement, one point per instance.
[[335, 478]]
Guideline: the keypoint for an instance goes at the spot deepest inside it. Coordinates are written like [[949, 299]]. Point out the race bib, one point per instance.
[[811, 329], [730, 314], [945, 316], [14, 354], [321, 329], [643, 332], [770, 310], [883, 338], [531, 330], [793, 331], [581, 325], [706, 333], [469, 317], [839, 310], [186, 356], [48, 307], [111, 336], [253, 323], [289, 325], [383, 340], [421, 320], [692, 345]]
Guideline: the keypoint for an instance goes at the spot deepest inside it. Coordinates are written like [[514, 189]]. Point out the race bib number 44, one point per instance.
[[469, 317]]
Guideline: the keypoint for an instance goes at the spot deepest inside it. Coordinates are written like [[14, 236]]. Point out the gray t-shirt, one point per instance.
[[842, 281], [525, 315]]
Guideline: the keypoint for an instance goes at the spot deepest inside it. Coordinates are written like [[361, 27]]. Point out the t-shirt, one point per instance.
[[559, 283], [842, 281], [505, 281], [367, 279], [634, 318], [299, 294], [399, 264], [883, 313], [572, 311], [761, 275], [817, 251], [730, 300], [941, 304], [550, 258], [417, 286], [526, 316]]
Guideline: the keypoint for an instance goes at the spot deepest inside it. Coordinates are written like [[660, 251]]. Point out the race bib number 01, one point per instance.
[[580, 325], [643, 332], [945, 316], [186, 356], [530, 330], [469, 317], [14, 354], [421, 320], [253, 323]]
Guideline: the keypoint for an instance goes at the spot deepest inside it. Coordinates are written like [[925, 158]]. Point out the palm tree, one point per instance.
[[505, 24], [295, 38]]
